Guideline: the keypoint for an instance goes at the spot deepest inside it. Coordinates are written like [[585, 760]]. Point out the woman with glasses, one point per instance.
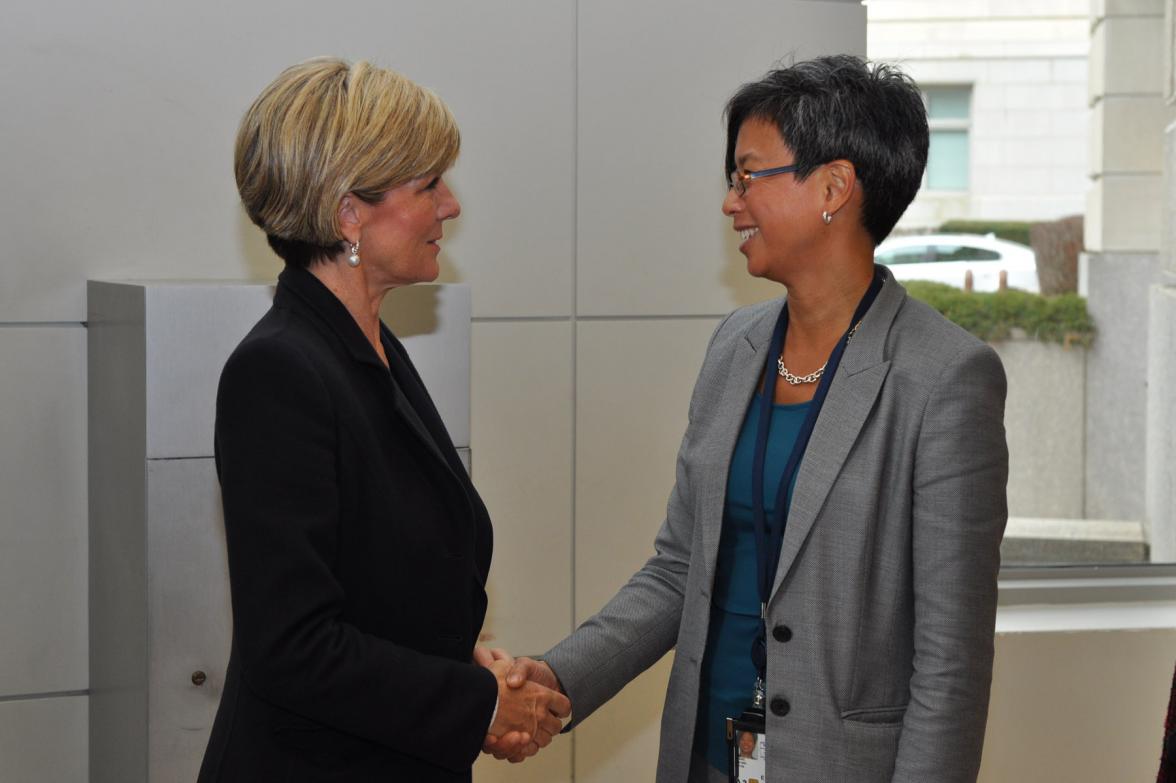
[[826, 571]]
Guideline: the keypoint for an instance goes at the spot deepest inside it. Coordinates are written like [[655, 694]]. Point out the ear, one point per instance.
[[839, 183], [350, 216]]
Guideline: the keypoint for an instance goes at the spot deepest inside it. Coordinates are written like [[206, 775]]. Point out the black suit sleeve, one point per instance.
[[276, 458]]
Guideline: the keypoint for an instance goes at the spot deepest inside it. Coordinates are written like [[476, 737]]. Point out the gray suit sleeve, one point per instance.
[[637, 626], [640, 623], [959, 515]]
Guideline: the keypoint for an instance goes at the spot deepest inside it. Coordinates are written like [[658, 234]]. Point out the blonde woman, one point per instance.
[[358, 548]]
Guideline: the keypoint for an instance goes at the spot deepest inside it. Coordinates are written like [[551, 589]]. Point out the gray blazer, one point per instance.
[[881, 619]]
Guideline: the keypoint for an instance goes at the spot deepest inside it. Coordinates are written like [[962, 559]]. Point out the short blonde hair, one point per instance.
[[325, 128]]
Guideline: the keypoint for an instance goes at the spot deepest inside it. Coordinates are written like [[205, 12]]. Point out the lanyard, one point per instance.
[[768, 540]]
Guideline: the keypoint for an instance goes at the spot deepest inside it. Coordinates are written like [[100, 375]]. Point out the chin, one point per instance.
[[430, 273], [767, 269], [757, 269]]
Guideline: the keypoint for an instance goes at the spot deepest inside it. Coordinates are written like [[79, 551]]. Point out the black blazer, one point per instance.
[[358, 554]]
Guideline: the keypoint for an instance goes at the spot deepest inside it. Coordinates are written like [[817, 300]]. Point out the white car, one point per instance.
[[946, 258]]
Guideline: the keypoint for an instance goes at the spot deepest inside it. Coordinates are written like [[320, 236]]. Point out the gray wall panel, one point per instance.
[[193, 327], [118, 162], [117, 351], [651, 237], [43, 523], [188, 602], [43, 740]]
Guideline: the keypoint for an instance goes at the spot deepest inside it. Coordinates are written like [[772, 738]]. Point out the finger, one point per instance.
[[526, 753], [483, 656], [506, 746], [519, 672], [550, 723], [501, 654], [519, 738], [542, 738], [510, 745], [560, 705]]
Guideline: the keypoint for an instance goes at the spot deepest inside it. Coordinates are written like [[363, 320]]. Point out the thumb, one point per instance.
[[520, 672]]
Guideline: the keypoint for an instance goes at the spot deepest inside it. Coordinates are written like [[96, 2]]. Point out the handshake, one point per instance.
[[531, 705]]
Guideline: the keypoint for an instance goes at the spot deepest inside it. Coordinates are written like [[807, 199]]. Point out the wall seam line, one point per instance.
[[45, 695], [575, 311]]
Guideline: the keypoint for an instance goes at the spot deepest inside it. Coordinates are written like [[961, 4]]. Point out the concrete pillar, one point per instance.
[[1127, 102], [1160, 518], [1123, 234]]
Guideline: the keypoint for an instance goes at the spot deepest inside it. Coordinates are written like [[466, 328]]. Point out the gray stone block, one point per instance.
[[1031, 541], [1160, 517], [1116, 382], [1044, 423], [1048, 551]]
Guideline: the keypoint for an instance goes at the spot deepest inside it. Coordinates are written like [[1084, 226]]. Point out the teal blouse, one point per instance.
[[728, 675]]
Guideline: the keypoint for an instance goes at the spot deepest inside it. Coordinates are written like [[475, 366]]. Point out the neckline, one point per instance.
[[784, 406]]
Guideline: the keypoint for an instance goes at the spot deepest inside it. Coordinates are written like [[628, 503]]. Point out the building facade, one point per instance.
[[1006, 84]]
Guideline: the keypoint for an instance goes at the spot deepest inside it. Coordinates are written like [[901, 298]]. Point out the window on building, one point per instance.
[[948, 115]]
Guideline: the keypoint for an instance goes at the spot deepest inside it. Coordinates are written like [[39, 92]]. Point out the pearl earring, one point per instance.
[[825, 216], [353, 259]]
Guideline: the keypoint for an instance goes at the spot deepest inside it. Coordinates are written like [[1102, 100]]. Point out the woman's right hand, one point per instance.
[[530, 708]]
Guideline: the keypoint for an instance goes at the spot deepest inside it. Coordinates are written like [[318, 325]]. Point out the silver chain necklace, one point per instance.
[[815, 375]]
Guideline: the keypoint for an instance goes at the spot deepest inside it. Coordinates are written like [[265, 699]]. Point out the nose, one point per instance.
[[447, 206], [732, 202]]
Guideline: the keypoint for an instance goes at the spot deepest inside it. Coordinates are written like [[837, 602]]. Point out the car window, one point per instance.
[[964, 253], [916, 254]]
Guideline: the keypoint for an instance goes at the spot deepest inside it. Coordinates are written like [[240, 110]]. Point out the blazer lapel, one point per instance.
[[849, 402], [746, 367], [299, 288], [412, 403], [413, 421]]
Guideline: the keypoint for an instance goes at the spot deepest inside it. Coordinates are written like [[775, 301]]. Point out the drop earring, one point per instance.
[[353, 259], [825, 216]]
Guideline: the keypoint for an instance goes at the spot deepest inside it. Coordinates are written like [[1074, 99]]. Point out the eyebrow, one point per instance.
[[742, 159]]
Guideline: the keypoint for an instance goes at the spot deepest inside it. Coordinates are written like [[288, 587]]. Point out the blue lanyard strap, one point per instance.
[[768, 539]]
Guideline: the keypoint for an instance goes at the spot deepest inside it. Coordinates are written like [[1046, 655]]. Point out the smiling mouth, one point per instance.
[[747, 233]]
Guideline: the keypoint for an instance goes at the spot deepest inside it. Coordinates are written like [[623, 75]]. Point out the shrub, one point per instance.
[[1012, 230], [1056, 244], [992, 316]]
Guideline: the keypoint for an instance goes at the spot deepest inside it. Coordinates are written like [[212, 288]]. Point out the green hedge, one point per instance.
[[993, 316], [1012, 230]]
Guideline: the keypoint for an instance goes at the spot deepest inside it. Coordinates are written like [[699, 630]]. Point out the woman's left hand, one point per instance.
[[513, 741], [486, 656]]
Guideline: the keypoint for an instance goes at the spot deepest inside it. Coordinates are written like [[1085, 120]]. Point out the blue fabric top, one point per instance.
[[728, 675]]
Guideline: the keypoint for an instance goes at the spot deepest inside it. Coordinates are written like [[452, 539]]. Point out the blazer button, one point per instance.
[[782, 633], [780, 706]]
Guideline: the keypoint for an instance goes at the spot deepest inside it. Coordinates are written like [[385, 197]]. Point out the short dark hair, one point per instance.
[[839, 107]]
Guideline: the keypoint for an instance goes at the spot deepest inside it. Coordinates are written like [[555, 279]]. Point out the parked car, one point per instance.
[[946, 258]]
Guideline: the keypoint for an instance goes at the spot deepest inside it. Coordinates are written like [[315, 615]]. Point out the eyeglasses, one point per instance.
[[738, 182]]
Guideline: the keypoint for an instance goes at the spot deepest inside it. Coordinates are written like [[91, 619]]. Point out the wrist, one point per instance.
[[559, 686]]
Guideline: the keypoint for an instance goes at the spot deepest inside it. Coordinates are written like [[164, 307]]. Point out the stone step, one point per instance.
[[1034, 541]]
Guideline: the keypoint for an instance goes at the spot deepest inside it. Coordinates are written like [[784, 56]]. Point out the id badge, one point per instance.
[[747, 748]]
